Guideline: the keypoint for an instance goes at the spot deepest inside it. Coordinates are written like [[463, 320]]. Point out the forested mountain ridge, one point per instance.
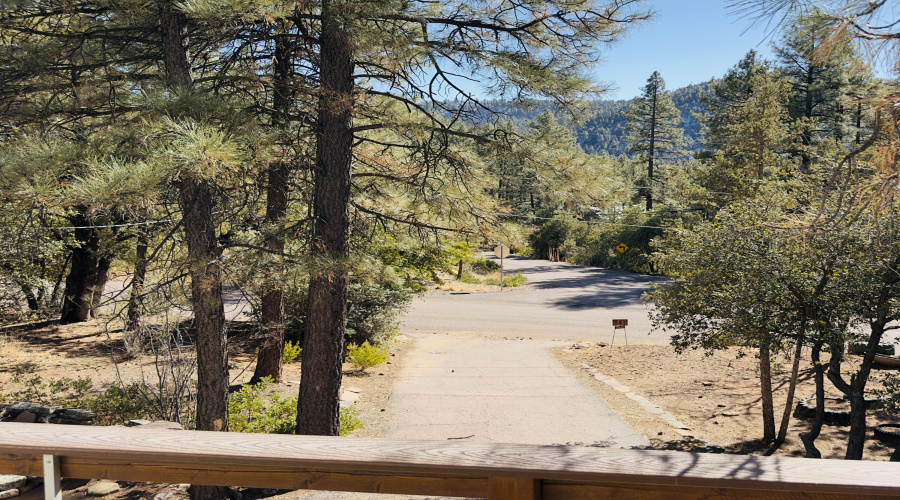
[[604, 131]]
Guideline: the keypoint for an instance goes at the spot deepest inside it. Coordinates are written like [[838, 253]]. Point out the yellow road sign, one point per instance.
[[622, 248]]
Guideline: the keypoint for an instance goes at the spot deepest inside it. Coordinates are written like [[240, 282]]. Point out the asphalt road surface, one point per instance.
[[560, 302]]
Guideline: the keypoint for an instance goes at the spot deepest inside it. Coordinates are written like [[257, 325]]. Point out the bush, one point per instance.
[[595, 245], [468, 277], [558, 234], [115, 406], [522, 251], [290, 352], [511, 280], [366, 355], [375, 299], [349, 421], [119, 404], [484, 266], [250, 409]]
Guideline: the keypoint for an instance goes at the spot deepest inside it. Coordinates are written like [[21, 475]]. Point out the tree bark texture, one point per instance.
[[318, 407], [88, 263], [269, 361], [134, 318], [173, 27], [855, 390], [765, 384], [809, 438], [789, 404], [652, 153], [100, 279], [195, 200]]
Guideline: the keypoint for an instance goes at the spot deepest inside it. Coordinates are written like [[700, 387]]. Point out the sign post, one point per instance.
[[617, 324], [501, 251]]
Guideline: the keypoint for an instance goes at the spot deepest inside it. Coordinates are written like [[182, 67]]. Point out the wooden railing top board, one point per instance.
[[219, 451]]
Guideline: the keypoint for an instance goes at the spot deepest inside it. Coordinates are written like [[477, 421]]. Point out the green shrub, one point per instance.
[[510, 280], [290, 352], [119, 404], [468, 277], [484, 266], [251, 409], [366, 355], [524, 252], [349, 421]]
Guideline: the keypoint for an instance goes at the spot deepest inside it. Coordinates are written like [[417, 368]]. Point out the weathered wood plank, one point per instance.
[[557, 491], [514, 488], [257, 477], [225, 454]]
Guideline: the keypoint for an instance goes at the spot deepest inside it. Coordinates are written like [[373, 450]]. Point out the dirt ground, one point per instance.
[[716, 396], [94, 350]]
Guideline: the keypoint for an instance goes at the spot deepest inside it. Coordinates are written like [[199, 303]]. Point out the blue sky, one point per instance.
[[689, 41]]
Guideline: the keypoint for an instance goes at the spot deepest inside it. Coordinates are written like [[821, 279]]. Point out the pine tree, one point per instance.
[[653, 132], [748, 127], [824, 86], [522, 50], [725, 94]]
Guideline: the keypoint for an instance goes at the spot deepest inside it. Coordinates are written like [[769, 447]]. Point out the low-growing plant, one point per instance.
[[510, 280], [290, 352], [252, 409], [523, 251], [119, 404], [890, 394], [59, 392], [484, 266], [349, 421], [366, 355], [468, 277]]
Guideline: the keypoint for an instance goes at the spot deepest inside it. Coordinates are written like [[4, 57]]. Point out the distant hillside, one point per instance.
[[604, 132]]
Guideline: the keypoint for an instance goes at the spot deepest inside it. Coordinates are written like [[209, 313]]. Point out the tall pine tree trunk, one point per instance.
[[101, 277], [134, 317], [269, 361], [318, 407], [195, 201], [651, 153], [78, 298]]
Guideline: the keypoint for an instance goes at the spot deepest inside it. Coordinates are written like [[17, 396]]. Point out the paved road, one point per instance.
[[561, 301], [459, 386], [498, 391]]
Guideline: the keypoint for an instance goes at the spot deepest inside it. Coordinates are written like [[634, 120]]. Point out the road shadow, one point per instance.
[[591, 287], [93, 339]]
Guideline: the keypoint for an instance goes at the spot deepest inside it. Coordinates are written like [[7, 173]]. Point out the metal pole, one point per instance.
[[501, 266], [52, 480]]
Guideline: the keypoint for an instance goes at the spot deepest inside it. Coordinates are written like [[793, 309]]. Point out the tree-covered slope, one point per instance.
[[604, 131]]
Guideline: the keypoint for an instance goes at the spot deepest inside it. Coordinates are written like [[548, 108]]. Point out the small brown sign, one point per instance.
[[620, 323]]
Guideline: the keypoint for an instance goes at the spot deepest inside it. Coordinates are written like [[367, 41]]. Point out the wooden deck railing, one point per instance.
[[441, 468]]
